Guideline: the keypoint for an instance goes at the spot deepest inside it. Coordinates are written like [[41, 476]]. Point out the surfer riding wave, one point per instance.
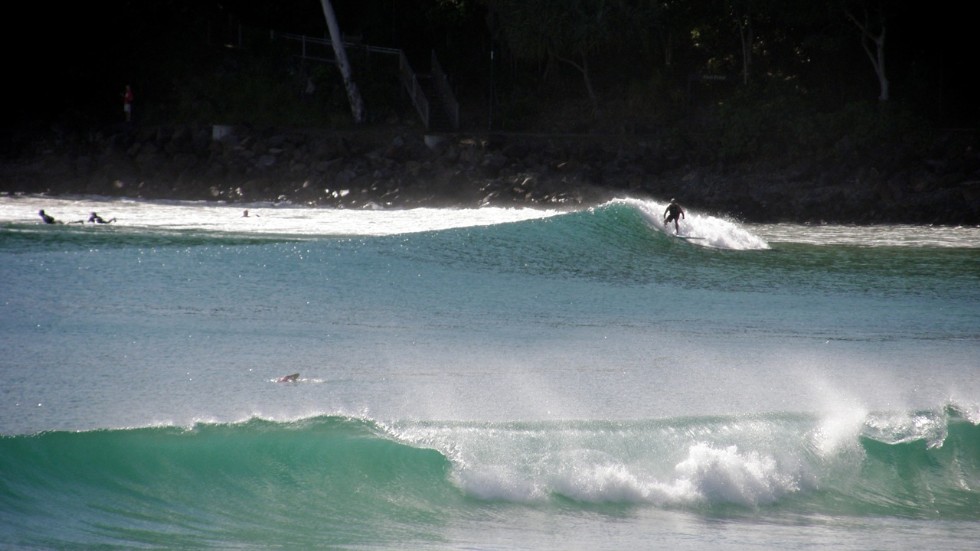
[[671, 214]]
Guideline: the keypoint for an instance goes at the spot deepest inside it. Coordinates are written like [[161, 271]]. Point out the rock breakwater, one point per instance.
[[404, 168]]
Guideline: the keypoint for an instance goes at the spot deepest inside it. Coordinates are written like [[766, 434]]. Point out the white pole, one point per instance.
[[356, 103]]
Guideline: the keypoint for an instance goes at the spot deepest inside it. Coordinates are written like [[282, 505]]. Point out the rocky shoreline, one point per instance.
[[404, 167]]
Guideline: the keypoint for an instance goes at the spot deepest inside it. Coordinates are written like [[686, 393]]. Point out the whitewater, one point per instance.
[[492, 378]]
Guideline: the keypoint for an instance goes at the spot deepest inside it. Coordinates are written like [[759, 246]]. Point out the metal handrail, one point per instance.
[[304, 40], [411, 84], [407, 76], [449, 99]]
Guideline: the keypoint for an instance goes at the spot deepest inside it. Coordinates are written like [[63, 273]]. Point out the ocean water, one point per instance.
[[483, 379]]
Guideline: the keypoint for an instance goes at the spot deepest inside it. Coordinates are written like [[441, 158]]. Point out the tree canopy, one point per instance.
[[662, 56]]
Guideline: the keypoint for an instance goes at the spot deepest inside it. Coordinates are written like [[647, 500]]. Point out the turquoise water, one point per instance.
[[483, 379]]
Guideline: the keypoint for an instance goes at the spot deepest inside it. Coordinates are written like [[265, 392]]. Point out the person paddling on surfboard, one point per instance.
[[96, 219], [48, 219], [670, 215]]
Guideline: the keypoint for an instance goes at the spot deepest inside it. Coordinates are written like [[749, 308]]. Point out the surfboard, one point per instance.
[[684, 236]]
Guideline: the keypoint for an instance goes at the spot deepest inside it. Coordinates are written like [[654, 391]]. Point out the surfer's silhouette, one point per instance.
[[95, 218], [48, 219], [671, 213]]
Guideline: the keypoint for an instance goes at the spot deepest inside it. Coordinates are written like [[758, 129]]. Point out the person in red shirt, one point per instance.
[[128, 103]]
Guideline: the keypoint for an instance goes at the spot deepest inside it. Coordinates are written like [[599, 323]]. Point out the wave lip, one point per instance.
[[173, 485], [767, 463], [697, 228]]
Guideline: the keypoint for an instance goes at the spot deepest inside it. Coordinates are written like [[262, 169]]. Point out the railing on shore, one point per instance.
[[446, 91], [311, 47], [321, 49], [411, 83]]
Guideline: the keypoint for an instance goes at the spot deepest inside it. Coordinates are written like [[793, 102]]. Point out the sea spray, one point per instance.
[[751, 462], [520, 380], [703, 228]]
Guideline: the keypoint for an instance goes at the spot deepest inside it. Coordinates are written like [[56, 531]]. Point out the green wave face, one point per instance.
[[335, 480]]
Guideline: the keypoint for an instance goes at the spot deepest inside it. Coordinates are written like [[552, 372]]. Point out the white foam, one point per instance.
[[700, 229], [520, 465], [499, 483], [604, 482], [262, 218], [726, 475], [903, 427], [883, 235], [708, 475]]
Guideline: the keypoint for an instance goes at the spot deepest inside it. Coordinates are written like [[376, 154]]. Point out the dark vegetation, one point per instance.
[[725, 86]]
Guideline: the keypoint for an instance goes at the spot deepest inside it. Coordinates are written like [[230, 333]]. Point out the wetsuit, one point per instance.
[[673, 211]]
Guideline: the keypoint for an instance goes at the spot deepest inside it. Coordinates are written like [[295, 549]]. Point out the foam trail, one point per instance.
[[703, 229], [892, 235], [262, 218]]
